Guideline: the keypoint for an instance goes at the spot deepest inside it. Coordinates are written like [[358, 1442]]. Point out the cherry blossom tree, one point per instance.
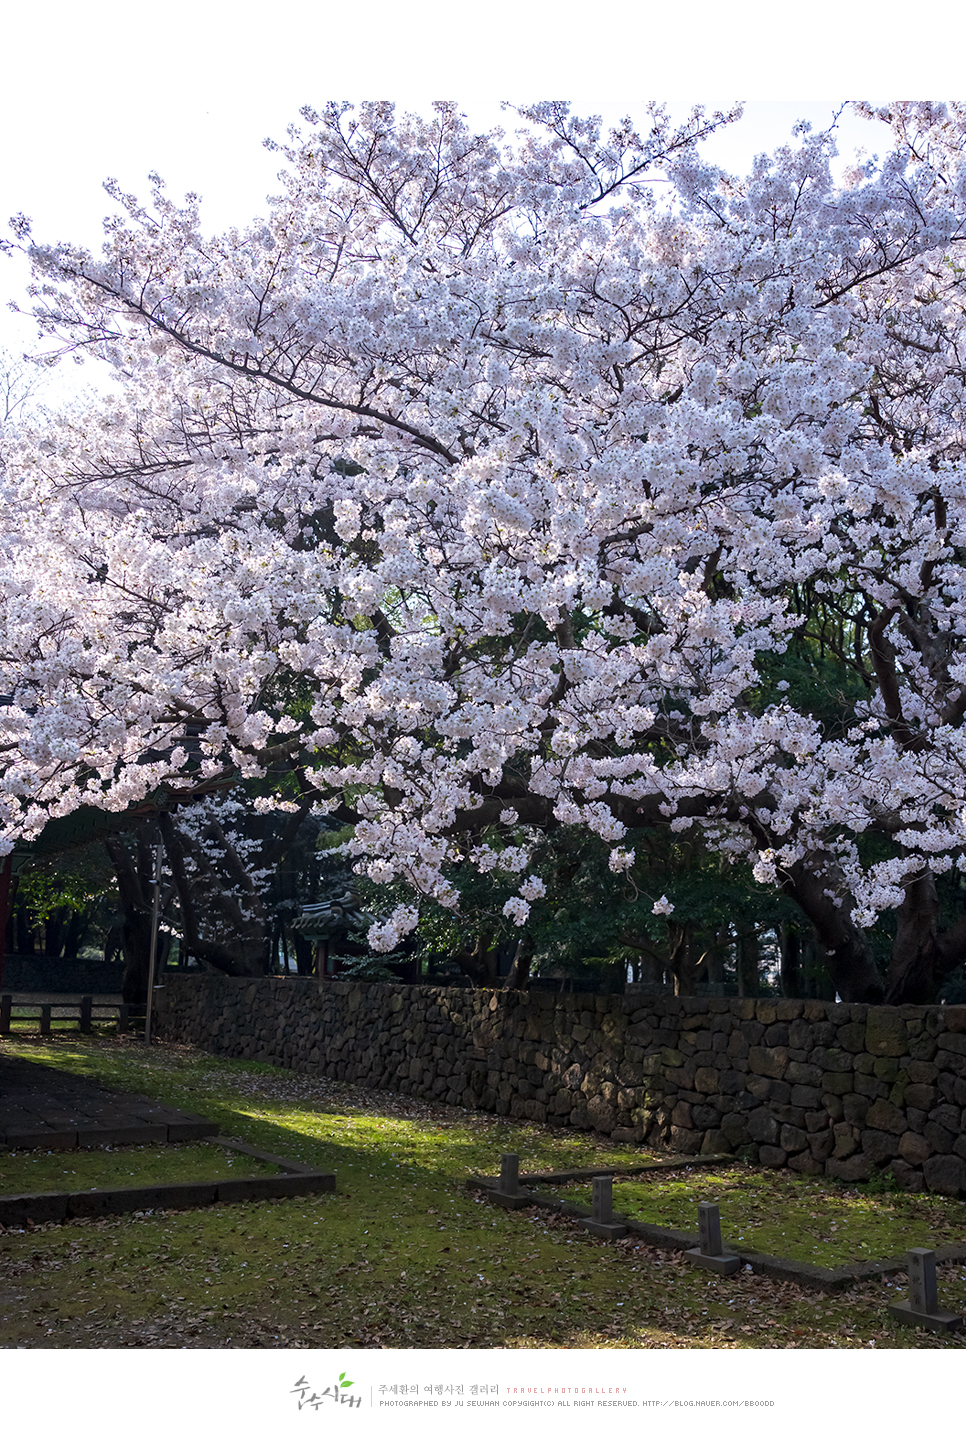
[[486, 480]]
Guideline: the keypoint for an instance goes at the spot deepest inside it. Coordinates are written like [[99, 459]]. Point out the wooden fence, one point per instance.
[[80, 1008]]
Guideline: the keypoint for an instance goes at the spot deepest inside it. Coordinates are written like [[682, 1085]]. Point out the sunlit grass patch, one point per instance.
[[789, 1216]]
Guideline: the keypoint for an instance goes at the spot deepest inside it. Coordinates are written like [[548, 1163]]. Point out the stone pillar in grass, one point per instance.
[[921, 1308], [508, 1192], [603, 1223], [710, 1251]]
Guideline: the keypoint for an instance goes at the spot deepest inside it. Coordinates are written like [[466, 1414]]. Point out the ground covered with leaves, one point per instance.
[[808, 1219], [126, 1166], [401, 1255]]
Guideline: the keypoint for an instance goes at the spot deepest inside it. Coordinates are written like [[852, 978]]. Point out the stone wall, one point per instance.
[[814, 1086]]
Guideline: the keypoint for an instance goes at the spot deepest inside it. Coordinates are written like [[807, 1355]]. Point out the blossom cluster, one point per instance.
[[482, 477]]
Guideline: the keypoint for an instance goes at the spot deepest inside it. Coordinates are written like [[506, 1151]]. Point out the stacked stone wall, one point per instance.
[[817, 1087]]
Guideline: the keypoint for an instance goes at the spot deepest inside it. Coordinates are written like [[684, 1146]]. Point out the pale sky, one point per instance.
[[191, 89]]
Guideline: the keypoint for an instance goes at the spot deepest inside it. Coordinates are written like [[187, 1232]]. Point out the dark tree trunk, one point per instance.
[[748, 961], [54, 932], [25, 930], [790, 963], [915, 970], [133, 862], [683, 967], [519, 972], [818, 887], [481, 965], [304, 954], [75, 933]]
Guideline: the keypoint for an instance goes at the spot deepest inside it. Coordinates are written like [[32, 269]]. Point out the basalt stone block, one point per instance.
[[705, 1117], [945, 1174], [949, 1117], [882, 1147], [833, 1058], [802, 1073], [734, 1126], [772, 1156], [910, 1179], [914, 1149], [793, 1115], [821, 1145], [940, 1139], [793, 1139], [823, 1033], [806, 1096], [715, 1141], [955, 1043], [776, 1035], [885, 1032], [885, 1117], [805, 1162], [681, 1140], [851, 1037], [816, 1121], [955, 1019], [854, 1109], [762, 1126], [838, 1083], [850, 1169], [920, 1096], [768, 1061]]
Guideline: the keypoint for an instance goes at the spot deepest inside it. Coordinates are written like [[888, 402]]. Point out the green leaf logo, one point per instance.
[[343, 1382]]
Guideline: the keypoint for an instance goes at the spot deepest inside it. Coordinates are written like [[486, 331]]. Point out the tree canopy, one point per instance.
[[496, 486]]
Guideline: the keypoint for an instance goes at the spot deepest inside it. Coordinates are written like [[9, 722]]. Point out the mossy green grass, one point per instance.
[[401, 1255], [810, 1220], [146, 1166]]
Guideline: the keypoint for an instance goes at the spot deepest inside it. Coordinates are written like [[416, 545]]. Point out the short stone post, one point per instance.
[[86, 1013], [45, 1019], [921, 1308], [710, 1251], [508, 1192], [123, 1019], [6, 1004], [603, 1223]]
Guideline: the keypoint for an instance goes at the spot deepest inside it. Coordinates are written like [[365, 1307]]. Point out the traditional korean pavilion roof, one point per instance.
[[333, 918]]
